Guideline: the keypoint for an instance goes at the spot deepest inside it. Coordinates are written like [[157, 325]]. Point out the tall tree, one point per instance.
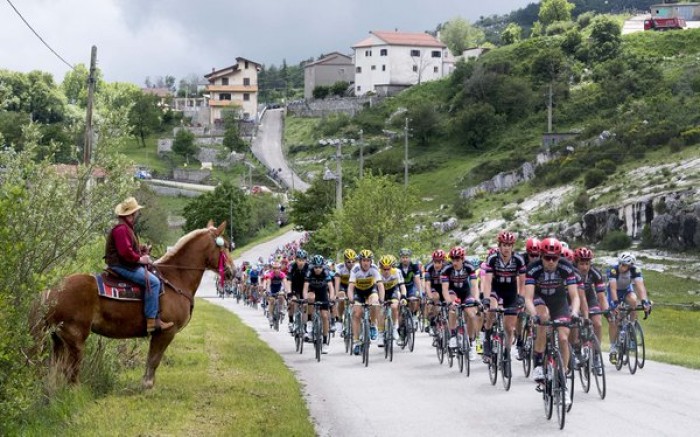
[[606, 39], [183, 144], [144, 115], [459, 34], [552, 11], [511, 34], [226, 203]]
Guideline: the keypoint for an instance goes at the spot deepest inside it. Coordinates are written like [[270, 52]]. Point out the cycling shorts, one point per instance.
[[362, 296], [560, 311]]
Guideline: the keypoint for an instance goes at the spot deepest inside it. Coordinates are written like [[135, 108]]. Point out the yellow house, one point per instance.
[[234, 87]]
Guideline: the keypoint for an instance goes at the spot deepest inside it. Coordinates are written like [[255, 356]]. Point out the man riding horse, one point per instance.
[[129, 259]]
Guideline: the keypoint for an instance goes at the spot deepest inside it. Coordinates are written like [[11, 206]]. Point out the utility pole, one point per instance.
[[87, 148], [339, 176], [549, 110], [405, 156], [230, 218], [362, 155]]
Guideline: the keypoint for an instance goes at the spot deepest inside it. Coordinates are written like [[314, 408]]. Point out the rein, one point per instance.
[[171, 285]]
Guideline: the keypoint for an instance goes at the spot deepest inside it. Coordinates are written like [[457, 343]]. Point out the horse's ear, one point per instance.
[[222, 227]]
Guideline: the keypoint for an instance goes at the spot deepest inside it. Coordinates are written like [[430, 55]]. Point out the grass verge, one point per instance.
[[217, 378]]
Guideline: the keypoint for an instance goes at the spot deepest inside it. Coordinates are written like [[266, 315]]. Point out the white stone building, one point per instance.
[[234, 88], [388, 62]]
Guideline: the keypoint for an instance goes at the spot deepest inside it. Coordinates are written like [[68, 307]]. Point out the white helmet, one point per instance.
[[564, 244], [626, 258]]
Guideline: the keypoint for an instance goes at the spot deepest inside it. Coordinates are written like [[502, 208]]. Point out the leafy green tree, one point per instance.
[[537, 29], [152, 223], [339, 88], [606, 39], [424, 121], [321, 92], [511, 34], [232, 137], [144, 115], [459, 34], [183, 144], [75, 84], [312, 209], [226, 202], [552, 11]]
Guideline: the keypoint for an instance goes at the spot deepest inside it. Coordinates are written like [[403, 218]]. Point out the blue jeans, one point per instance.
[[138, 276]]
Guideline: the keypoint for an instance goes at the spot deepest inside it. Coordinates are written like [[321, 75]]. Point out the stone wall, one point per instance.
[[192, 176], [324, 107]]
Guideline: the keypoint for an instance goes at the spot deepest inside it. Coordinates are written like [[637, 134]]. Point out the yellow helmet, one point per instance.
[[386, 261], [349, 255], [366, 254]]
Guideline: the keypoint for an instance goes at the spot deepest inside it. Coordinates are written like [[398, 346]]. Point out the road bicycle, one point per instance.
[[591, 356], [554, 386], [527, 335], [407, 326], [441, 334], [630, 338], [388, 331], [317, 330], [500, 352], [365, 331], [298, 329], [463, 341], [347, 325]]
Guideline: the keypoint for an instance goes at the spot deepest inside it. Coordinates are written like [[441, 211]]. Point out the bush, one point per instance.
[[616, 240], [594, 177], [582, 203], [607, 165], [462, 208], [321, 92], [691, 136], [647, 241], [508, 215]]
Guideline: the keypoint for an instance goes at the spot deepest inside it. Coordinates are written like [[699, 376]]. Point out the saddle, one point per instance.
[[113, 286]]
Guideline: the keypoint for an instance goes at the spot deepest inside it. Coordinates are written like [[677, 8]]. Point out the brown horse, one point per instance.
[[74, 309]]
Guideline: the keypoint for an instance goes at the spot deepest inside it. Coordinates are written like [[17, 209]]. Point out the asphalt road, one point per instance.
[[267, 147], [414, 395]]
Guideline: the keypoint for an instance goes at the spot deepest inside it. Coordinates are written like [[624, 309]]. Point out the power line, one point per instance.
[[39, 36]]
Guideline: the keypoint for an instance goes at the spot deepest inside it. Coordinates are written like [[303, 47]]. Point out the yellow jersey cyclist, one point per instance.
[[412, 279], [342, 280], [365, 286], [394, 291], [625, 284], [461, 277]]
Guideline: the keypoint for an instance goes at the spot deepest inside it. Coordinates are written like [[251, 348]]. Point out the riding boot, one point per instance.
[[157, 325]]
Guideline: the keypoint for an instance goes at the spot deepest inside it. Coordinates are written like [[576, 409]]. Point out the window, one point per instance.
[[358, 70], [415, 69], [436, 54], [368, 52], [246, 65], [225, 96], [359, 88], [415, 53], [435, 69], [383, 67], [374, 67], [383, 52], [224, 81], [246, 97], [246, 81]]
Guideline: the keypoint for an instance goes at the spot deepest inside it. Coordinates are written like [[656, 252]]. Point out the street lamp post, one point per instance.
[[339, 175], [405, 156], [362, 155]]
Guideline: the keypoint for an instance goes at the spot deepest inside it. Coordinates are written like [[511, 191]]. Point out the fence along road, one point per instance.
[[267, 147], [414, 395]]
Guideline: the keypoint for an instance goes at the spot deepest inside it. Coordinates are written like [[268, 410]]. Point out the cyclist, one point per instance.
[[394, 290], [254, 277], [274, 284], [296, 276], [436, 283], [504, 282], [412, 280], [318, 287], [551, 292], [592, 295], [462, 286], [532, 250], [625, 284], [365, 286], [342, 279]]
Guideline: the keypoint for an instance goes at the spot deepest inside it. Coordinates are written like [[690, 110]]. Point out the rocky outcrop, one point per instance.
[[679, 230], [506, 180]]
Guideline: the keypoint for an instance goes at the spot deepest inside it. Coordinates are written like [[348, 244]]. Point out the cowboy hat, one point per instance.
[[127, 207]]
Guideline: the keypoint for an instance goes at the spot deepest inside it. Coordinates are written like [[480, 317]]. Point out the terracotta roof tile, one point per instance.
[[416, 39]]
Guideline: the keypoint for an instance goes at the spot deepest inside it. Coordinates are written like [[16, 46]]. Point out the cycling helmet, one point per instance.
[[506, 237], [567, 253], [474, 260], [457, 252], [583, 254], [349, 255], [626, 258], [385, 261], [276, 265], [405, 252], [366, 254], [550, 246], [301, 253], [439, 255], [532, 246], [318, 261], [564, 245], [492, 250]]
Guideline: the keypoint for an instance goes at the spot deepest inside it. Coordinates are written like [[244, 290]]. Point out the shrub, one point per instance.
[[594, 177], [462, 209], [582, 203], [607, 165], [508, 215], [615, 240], [321, 92], [647, 241]]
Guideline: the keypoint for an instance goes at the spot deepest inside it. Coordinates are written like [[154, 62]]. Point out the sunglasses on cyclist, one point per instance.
[[550, 258]]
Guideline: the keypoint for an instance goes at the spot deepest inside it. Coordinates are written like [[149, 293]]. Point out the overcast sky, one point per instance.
[[139, 38]]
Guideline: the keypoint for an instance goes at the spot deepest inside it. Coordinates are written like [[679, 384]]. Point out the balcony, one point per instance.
[[232, 88], [220, 103]]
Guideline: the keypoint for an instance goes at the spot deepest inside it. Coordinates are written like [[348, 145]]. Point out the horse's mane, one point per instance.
[[180, 243]]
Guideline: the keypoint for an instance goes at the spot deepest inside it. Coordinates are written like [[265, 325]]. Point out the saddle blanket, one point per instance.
[[114, 287]]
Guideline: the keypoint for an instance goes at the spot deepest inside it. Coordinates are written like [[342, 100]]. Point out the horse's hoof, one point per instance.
[[147, 384]]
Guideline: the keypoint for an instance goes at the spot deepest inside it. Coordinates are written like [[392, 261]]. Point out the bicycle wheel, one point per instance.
[[318, 336], [365, 342], [493, 364], [466, 346], [460, 348], [641, 347], [559, 390], [276, 316], [300, 333], [621, 350], [347, 333], [410, 339], [584, 371], [438, 347], [526, 353], [598, 367], [298, 339], [570, 379], [547, 394], [632, 355], [506, 373]]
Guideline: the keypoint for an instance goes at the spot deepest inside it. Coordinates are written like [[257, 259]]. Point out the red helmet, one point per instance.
[[532, 246], [568, 254], [457, 252], [583, 254], [439, 255], [550, 246], [492, 250], [506, 237]]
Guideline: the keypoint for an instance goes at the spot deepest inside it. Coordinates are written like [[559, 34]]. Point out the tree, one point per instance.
[[459, 34], [170, 82], [312, 208], [424, 121], [232, 137], [152, 223], [606, 39], [75, 84], [144, 116], [226, 203], [184, 144], [552, 11], [511, 34]]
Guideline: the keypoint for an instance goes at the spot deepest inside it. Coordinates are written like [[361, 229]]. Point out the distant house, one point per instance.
[[234, 87], [389, 62], [687, 11], [164, 95], [474, 52], [329, 69]]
